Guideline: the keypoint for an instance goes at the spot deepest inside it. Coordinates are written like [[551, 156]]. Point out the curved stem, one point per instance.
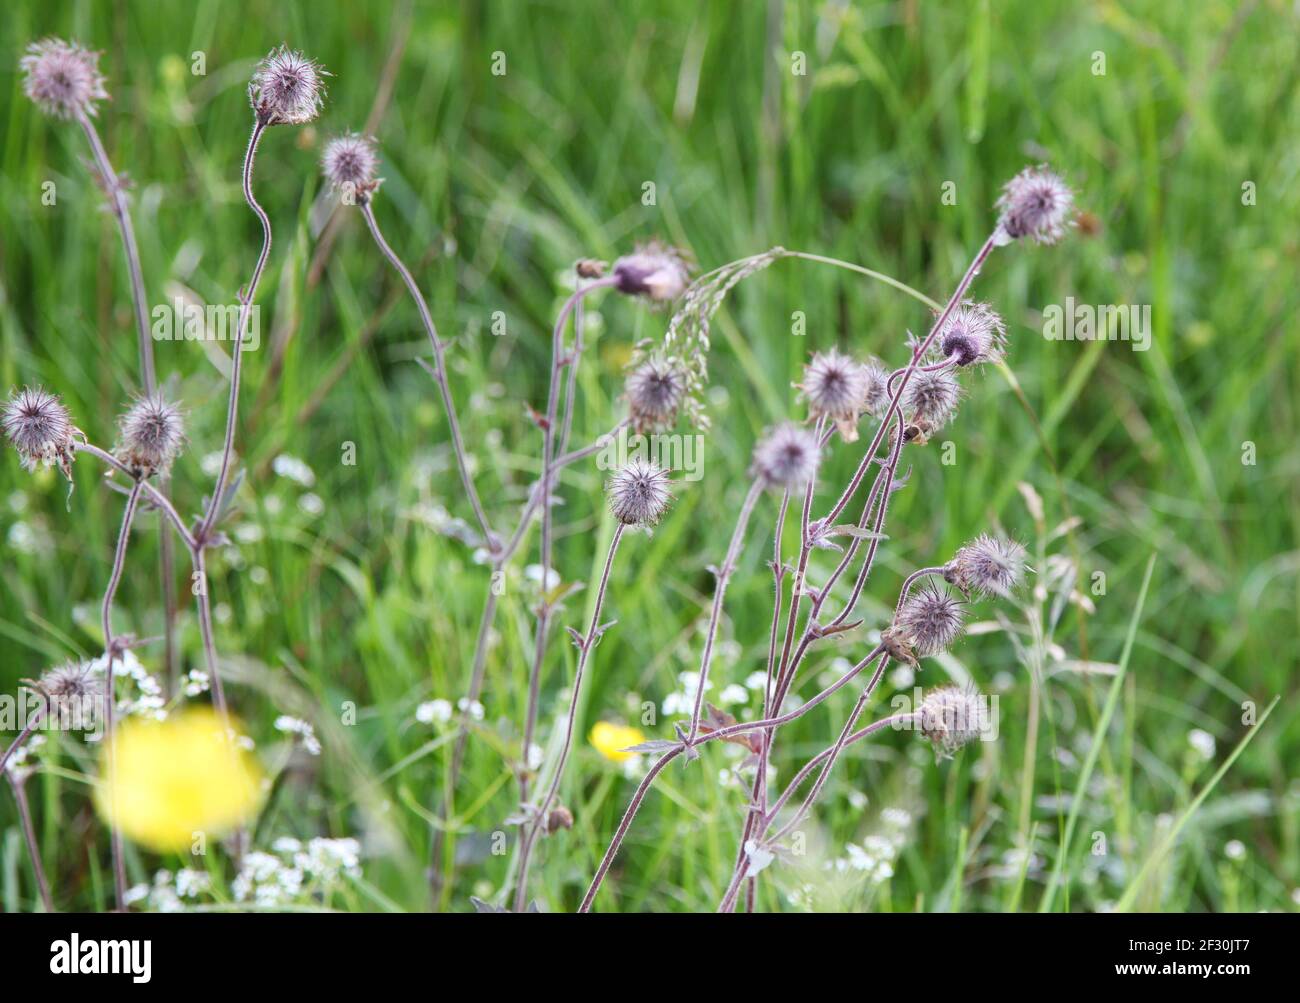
[[29, 836], [156, 498], [723, 575], [110, 693], [545, 546], [439, 371], [633, 806], [237, 353], [534, 827]]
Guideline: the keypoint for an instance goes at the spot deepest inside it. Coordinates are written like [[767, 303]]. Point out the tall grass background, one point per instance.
[[494, 186]]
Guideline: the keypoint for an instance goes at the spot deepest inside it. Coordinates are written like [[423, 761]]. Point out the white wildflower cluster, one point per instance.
[[170, 892], [305, 733], [295, 869], [437, 712], [470, 708], [195, 683], [874, 858], [144, 697]]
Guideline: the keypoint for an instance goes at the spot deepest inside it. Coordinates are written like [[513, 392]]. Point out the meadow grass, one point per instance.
[[494, 186]]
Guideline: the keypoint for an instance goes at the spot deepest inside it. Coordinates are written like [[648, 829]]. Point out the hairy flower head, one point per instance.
[[875, 388], [951, 717], [835, 387], [349, 163], [287, 88], [654, 271], [931, 398], [787, 457], [62, 78], [929, 620], [973, 333], [1036, 204], [987, 565], [40, 428], [654, 390], [150, 436], [177, 777], [639, 493]]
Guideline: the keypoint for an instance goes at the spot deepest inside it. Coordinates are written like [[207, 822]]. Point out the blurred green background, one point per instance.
[[347, 584]]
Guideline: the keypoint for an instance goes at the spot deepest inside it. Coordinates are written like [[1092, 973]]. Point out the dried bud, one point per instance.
[[1036, 204], [973, 333], [835, 387], [987, 565], [654, 270], [931, 398], [787, 457], [558, 818], [287, 88], [654, 391], [590, 268], [150, 436], [40, 428], [68, 682], [951, 717], [639, 493], [349, 163], [929, 620], [62, 78]]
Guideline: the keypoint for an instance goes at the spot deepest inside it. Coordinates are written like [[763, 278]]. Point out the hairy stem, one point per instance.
[[533, 828], [29, 837]]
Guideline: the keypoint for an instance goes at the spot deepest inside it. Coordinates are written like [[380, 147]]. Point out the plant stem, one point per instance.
[[633, 806], [29, 836], [722, 576], [110, 693], [545, 547], [439, 371], [533, 829]]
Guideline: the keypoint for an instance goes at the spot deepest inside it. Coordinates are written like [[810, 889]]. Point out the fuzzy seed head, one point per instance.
[[655, 271], [639, 493], [988, 565], [654, 391], [349, 163], [835, 386], [40, 429], [973, 333], [931, 398], [1036, 204], [929, 620], [787, 457], [150, 436], [875, 388], [287, 88], [62, 78], [70, 681], [951, 717]]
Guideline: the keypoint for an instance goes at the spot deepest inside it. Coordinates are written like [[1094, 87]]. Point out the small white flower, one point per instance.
[[733, 694], [294, 469], [434, 712], [1202, 743], [1235, 849], [472, 708]]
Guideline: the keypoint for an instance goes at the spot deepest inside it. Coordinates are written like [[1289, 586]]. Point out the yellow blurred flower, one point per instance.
[[178, 778], [611, 739]]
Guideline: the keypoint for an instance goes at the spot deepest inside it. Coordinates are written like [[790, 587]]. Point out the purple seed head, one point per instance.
[[62, 78], [287, 88], [150, 436], [1036, 204], [930, 619], [40, 428], [875, 388], [639, 493], [973, 333], [931, 398], [349, 163], [787, 457], [988, 565], [654, 392], [654, 271], [950, 717], [835, 386]]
